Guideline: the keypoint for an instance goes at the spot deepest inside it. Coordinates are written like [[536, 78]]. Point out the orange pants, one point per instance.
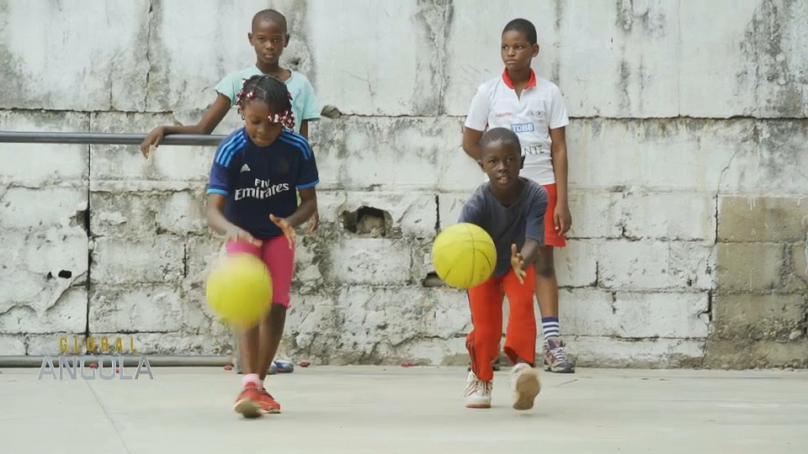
[[485, 302]]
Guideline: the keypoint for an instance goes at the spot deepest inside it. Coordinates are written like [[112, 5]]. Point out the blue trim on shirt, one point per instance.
[[230, 147], [226, 143], [218, 192], [308, 185], [297, 141]]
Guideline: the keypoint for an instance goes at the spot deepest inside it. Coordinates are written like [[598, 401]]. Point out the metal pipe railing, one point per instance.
[[98, 138], [87, 138]]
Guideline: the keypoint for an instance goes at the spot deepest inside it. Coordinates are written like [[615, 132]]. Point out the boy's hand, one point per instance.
[[287, 229], [237, 234], [314, 222], [518, 264], [151, 141], [562, 219]]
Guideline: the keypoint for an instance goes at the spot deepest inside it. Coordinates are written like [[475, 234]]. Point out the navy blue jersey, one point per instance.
[[259, 181]]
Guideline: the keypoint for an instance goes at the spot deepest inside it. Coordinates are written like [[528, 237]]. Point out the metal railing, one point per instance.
[[98, 138], [87, 138]]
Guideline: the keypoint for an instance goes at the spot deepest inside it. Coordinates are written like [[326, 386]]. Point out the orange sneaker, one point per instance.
[[248, 402], [267, 402]]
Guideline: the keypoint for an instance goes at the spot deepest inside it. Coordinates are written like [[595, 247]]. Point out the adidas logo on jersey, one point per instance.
[[245, 168]]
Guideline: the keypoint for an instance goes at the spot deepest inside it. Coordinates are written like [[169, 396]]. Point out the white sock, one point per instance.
[[251, 378]]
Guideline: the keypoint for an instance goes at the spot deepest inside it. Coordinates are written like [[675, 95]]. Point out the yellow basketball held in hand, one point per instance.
[[464, 256], [239, 290]]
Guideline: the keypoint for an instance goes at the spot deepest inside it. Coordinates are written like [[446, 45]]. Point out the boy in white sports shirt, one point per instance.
[[534, 109]]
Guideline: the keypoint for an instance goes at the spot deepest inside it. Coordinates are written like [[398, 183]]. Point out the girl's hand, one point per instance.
[[562, 219], [314, 222], [518, 264], [237, 234], [151, 141], [288, 230]]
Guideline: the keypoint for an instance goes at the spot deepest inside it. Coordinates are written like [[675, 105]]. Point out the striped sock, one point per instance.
[[550, 328]]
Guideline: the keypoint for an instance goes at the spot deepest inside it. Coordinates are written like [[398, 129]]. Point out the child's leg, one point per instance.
[[248, 344], [248, 401], [248, 340], [520, 340], [546, 284], [485, 302], [280, 260], [271, 334]]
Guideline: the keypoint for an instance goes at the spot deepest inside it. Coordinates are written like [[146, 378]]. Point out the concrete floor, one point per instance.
[[413, 410]]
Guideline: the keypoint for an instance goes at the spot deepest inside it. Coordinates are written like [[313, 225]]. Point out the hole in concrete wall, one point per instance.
[[432, 280], [330, 111], [82, 219], [65, 274], [49, 275], [368, 221]]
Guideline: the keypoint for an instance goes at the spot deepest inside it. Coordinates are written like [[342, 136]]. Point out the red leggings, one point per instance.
[[485, 302]]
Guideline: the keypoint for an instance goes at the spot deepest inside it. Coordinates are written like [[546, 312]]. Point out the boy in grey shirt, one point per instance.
[[511, 209]]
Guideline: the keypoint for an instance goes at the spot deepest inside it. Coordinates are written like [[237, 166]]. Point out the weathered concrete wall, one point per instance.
[[688, 163]]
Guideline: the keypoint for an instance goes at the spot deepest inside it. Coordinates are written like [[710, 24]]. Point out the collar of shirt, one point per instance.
[[531, 83]]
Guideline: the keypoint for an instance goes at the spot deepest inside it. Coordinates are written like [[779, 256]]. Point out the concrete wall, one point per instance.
[[688, 166]]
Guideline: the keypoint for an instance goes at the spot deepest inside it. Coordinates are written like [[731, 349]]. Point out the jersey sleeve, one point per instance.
[[307, 175], [311, 106], [229, 86], [558, 110], [220, 181], [473, 211], [536, 206], [477, 118]]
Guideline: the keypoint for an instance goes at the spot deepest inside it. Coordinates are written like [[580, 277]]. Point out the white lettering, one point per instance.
[[46, 361]]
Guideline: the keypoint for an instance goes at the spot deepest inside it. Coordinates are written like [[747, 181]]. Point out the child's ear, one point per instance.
[[286, 40], [522, 162], [536, 50], [480, 163], [249, 37]]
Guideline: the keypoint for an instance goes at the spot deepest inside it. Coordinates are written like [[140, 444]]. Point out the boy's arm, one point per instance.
[[562, 219], [521, 260], [534, 231], [476, 123], [471, 142], [211, 118], [219, 223], [530, 250], [304, 129]]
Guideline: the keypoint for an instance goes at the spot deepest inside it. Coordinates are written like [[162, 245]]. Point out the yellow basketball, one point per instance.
[[464, 256], [239, 290]]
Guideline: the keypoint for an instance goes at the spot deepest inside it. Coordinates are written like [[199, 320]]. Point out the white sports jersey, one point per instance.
[[540, 108]]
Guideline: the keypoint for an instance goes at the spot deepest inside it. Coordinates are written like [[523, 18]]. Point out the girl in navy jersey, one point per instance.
[[257, 175]]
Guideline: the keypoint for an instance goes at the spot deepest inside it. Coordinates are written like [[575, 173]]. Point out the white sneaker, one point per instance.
[[525, 385], [478, 392]]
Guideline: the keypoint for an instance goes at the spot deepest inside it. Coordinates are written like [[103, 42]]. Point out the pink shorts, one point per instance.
[[279, 258]]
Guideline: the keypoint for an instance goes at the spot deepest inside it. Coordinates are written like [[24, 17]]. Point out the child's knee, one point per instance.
[[487, 337], [545, 270]]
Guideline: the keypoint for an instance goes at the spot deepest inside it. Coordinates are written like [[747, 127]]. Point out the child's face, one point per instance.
[[516, 51], [256, 121], [501, 162], [269, 39]]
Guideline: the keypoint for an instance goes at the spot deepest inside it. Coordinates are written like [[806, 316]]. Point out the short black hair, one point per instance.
[[504, 135], [524, 27], [270, 15], [272, 92]]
